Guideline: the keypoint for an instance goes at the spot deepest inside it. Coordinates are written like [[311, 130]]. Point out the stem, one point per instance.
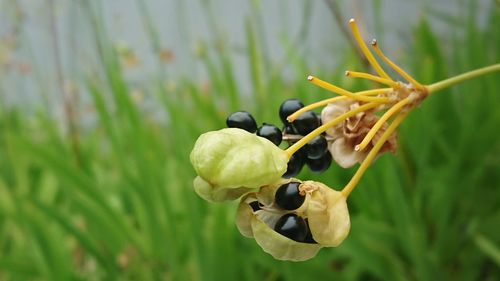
[[462, 77], [67, 100]]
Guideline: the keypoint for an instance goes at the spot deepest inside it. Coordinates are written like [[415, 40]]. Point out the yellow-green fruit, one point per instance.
[[234, 159]]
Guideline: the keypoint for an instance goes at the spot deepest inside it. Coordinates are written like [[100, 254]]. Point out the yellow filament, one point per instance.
[[324, 102], [327, 86], [388, 114], [369, 56], [296, 146], [395, 67], [371, 77], [373, 153]]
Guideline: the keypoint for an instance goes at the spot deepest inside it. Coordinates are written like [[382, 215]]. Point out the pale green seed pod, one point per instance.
[[217, 194], [324, 208], [235, 159]]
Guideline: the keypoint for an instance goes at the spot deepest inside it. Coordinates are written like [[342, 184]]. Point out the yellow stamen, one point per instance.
[[395, 67], [327, 86], [366, 51], [371, 77], [373, 153], [324, 102], [388, 114], [318, 131]]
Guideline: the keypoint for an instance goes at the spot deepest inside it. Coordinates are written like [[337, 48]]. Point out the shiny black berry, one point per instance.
[[309, 238], [292, 226], [306, 123], [288, 196], [295, 164], [242, 120], [288, 129], [255, 205], [270, 132], [288, 107], [317, 147], [321, 164]]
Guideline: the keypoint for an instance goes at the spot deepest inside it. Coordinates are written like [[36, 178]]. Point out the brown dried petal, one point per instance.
[[333, 111], [392, 142], [344, 154]]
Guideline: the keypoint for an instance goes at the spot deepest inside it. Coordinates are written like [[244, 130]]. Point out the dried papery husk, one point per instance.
[[244, 215], [328, 215], [332, 111], [279, 246], [352, 132], [344, 154], [390, 145]]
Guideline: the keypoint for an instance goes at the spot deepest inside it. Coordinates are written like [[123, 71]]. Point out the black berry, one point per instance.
[[242, 120], [288, 129], [309, 238], [288, 196], [321, 164], [295, 164], [270, 132], [292, 226], [317, 147], [255, 206], [306, 123], [288, 107]]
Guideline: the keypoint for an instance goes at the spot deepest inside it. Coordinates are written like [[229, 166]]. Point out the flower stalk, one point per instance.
[[396, 103], [462, 77]]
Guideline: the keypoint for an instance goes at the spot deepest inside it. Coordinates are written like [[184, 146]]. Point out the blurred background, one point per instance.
[[102, 101]]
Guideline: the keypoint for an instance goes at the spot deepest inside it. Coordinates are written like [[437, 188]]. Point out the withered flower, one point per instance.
[[345, 136]]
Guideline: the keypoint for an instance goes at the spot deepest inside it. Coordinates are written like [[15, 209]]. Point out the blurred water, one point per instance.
[[27, 49]]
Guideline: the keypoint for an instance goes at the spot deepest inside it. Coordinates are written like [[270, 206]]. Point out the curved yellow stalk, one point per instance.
[[365, 50], [388, 114], [395, 67], [325, 85], [371, 77], [325, 102]]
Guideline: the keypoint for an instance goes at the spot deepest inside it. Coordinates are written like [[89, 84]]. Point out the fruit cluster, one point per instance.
[[289, 218], [313, 154]]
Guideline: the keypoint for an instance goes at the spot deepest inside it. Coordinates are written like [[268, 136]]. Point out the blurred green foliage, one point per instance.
[[114, 201]]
